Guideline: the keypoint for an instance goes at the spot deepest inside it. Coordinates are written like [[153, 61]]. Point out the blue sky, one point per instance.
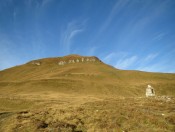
[[127, 34]]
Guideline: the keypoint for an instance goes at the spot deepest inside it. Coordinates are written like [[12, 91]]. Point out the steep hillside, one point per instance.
[[81, 75]]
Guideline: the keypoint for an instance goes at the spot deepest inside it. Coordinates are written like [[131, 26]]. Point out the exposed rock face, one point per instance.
[[36, 63], [78, 60], [61, 63], [66, 60]]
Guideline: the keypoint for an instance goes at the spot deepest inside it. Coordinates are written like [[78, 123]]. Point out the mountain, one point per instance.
[[81, 75], [79, 94]]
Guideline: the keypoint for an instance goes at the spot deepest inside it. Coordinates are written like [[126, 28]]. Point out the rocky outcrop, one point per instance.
[[70, 59], [78, 60]]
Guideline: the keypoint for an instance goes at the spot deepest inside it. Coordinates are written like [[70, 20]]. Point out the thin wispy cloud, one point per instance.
[[146, 62], [159, 36], [45, 2], [150, 64], [139, 24], [109, 57], [127, 62], [114, 57], [14, 14], [38, 3], [123, 33], [92, 51], [116, 9], [158, 67], [118, 6], [150, 57], [7, 56], [72, 30], [122, 60]]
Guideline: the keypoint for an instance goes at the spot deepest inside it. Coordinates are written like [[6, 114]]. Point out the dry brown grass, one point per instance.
[[90, 114], [83, 78], [89, 96]]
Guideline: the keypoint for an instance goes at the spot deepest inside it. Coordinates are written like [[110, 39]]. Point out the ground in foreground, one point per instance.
[[69, 113]]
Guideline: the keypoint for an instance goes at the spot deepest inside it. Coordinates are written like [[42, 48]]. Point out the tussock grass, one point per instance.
[[109, 114]]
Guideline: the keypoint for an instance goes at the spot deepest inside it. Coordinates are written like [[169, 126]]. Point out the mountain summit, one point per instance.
[[77, 74]]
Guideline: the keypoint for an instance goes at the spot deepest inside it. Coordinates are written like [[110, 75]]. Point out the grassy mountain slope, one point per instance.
[[87, 77], [88, 96]]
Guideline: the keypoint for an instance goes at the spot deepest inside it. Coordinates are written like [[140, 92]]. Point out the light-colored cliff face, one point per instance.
[[77, 60], [70, 59]]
